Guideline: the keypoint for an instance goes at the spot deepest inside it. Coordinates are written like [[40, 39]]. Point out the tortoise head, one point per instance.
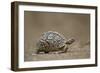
[[70, 41]]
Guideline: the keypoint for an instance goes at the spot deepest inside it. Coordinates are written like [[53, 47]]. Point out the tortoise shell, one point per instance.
[[51, 41]]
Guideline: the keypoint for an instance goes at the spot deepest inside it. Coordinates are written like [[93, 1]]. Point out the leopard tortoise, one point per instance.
[[52, 41]]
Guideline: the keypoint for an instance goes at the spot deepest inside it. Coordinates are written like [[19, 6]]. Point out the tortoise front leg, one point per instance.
[[64, 49]]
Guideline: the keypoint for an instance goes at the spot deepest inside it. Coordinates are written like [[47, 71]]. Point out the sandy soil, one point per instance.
[[72, 53]]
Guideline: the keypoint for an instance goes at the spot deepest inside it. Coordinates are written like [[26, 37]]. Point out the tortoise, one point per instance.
[[52, 41]]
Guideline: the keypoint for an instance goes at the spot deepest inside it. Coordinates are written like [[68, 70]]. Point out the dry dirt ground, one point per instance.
[[71, 25], [82, 52]]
